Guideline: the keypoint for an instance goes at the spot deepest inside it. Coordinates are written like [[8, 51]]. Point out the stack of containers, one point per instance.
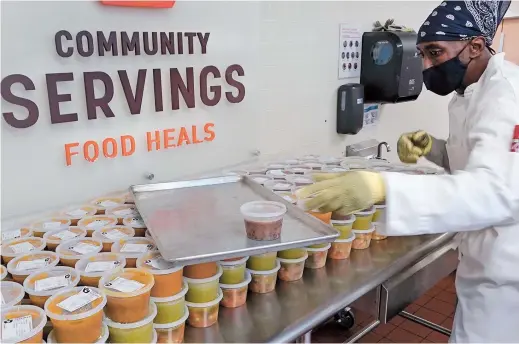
[[292, 264], [234, 282], [263, 269], [41, 285], [363, 229], [341, 247], [129, 312], [204, 294], [379, 220], [168, 295]]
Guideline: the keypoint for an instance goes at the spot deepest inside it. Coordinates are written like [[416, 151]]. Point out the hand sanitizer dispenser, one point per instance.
[[350, 109]]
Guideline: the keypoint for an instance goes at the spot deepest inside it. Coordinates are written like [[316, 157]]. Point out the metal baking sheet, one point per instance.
[[200, 221]]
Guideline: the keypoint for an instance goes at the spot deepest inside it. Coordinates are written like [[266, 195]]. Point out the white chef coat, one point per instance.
[[480, 199]]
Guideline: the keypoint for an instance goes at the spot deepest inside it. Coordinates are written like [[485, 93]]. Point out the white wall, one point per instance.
[[289, 53]]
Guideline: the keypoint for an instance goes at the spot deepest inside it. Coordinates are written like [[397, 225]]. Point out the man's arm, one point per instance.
[[438, 154]]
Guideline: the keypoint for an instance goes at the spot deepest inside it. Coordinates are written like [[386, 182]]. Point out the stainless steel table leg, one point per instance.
[[364, 331], [306, 338], [425, 323]]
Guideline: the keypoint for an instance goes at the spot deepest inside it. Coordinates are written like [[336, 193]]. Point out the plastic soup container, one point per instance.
[[260, 179], [41, 285], [263, 219], [91, 269], [137, 332], [341, 248], [108, 235], [11, 234], [104, 203], [3, 272], [41, 227], [22, 266], [362, 239], [23, 324], [264, 281], [299, 180], [76, 314], [133, 248], [317, 257], [56, 237], [292, 253], [77, 213], [71, 251], [277, 174], [380, 213], [51, 338], [122, 211], [279, 185], [344, 227], [203, 290], [18, 247], [292, 269], [376, 235], [128, 294], [262, 262], [170, 309], [12, 294], [204, 314], [233, 271], [137, 224], [235, 295], [172, 332], [202, 270], [168, 277], [91, 223], [363, 219]]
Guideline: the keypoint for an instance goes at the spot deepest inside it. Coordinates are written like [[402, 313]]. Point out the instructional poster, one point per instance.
[[350, 41]]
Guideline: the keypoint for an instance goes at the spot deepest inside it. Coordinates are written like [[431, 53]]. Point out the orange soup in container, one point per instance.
[[55, 237], [41, 227], [12, 294], [202, 270], [22, 266], [133, 248], [18, 247], [11, 234], [108, 235], [92, 268], [77, 213], [104, 203], [71, 251], [51, 338], [204, 314], [40, 285], [22, 324], [91, 223], [3, 272], [168, 277], [137, 223], [122, 211]]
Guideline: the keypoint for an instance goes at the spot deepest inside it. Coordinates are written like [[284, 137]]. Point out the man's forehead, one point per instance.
[[438, 45]]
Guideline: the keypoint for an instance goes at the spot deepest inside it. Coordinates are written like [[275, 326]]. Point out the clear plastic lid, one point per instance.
[[277, 174], [78, 212], [74, 304], [350, 219], [156, 264], [51, 224], [20, 323], [319, 249], [127, 282], [16, 247], [108, 202], [348, 239], [27, 263], [113, 233], [256, 170], [173, 298], [247, 280], [15, 233], [122, 211], [293, 261], [205, 280], [50, 280], [298, 170], [207, 304], [152, 312], [313, 165], [103, 339], [276, 166], [97, 221], [134, 247], [174, 324], [260, 179], [335, 169], [233, 262], [299, 179], [366, 212], [76, 248], [134, 222], [263, 210], [330, 160], [279, 185], [12, 293], [361, 231], [58, 235], [267, 272], [101, 263]]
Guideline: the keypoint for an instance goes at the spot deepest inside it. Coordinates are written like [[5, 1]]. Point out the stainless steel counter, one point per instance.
[[297, 307]]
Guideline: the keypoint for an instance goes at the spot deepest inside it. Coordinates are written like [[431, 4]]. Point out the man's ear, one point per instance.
[[477, 47]]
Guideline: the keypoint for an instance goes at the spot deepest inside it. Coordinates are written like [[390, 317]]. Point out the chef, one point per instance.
[[479, 199]]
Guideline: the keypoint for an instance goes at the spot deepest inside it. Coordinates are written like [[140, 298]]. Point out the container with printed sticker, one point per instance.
[[133, 248], [128, 293], [91, 223], [71, 251], [168, 276], [91, 269], [23, 265], [17, 247], [123, 211], [137, 223], [23, 324], [76, 314], [110, 234], [15, 233], [12, 293], [76, 213], [56, 237], [42, 284], [41, 227], [104, 203]]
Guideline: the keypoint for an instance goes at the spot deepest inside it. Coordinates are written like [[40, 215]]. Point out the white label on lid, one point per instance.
[[101, 266], [124, 285], [114, 234], [77, 213], [137, 222], [125, 212], [22, 247], [160, 263], [65, 235], [52, 282], [8, 235], [52, 225], [97, 223], [75, 302], [32, 264], [84, 248], [17, 327], [141, 248], [108, 204]]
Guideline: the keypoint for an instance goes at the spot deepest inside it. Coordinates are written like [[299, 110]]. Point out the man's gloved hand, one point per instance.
[[412, 146], [348, 192]]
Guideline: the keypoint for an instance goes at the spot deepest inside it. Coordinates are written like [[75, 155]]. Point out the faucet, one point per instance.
[[379, 149]]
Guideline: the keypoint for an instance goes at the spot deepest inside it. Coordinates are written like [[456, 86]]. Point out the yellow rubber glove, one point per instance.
[[412, 146], [350, 192]]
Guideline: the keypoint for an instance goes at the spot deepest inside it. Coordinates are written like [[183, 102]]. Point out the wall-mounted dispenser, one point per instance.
[[391, 69], [350, 109]]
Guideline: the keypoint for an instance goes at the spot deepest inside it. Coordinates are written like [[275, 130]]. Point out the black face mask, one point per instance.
[[445, 77]]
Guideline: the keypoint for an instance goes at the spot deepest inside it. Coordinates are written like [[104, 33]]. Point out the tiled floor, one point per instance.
[[436, 305]]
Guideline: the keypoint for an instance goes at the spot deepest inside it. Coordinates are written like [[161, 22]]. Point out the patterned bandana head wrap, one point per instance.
[[463, 20]]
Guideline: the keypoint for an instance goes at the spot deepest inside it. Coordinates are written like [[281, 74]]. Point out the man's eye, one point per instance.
[[435, 53]]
